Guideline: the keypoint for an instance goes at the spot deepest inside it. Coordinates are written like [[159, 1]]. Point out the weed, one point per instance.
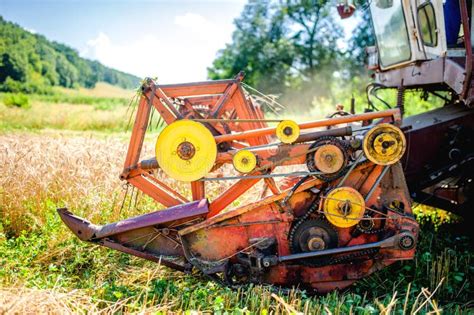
[[16, 100]]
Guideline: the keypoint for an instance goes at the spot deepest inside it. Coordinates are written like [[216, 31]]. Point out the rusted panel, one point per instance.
[[138, 134], [184, 211], [422, 73], [196, 88]]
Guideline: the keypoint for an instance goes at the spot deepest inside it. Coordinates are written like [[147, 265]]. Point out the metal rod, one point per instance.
[[260, 176], [377, 182], [468, 46], [389, 242], [310, 124], [337, 132], [350, 169]]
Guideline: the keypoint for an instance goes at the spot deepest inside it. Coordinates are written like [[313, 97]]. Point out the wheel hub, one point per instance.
[[186, 150]]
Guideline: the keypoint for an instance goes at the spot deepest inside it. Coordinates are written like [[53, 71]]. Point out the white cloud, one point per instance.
[[192, 21], [183, 54]]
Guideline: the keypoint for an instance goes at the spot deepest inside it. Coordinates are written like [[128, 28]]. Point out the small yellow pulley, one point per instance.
[[186, 150], [344, 207], [287, 131], [244, 161], [384, 144]]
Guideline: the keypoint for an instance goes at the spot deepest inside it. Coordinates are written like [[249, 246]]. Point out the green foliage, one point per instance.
[[99, 102], [16, 100], [30, 63], [286, 48], [362, 37]]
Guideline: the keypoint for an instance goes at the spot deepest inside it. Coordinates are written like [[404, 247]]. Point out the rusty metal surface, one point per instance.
[[184, 211]]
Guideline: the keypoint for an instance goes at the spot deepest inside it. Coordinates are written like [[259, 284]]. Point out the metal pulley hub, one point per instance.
[[329, 156], [244, 161], [186, 150], [314, 235], [287, 131], [344, 207], [384, 144]]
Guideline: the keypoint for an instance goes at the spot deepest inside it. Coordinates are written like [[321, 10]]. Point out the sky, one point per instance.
[[174, 41]]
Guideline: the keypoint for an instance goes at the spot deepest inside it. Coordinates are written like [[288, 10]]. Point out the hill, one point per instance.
[[31, 63]]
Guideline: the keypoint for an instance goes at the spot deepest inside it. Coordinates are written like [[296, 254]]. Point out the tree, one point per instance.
[[363, 36], [259, 47], [288, 47], [30, 63]]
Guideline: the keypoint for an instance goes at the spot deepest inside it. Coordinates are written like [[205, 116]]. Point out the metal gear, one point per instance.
[[333, 157], [312, 235]]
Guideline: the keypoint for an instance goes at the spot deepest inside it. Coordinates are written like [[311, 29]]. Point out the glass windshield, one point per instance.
[[391, 31]]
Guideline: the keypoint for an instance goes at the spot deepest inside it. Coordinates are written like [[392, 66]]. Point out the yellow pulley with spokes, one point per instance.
[[384, 144], [244, 161], [344, 207], [186, 150], [287, 131]]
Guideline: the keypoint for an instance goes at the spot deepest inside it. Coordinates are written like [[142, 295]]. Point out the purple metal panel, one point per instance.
[[184, 211], [87, 231]]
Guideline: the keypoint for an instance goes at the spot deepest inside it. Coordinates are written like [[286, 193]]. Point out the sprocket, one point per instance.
[[342, 157], [312, 235]]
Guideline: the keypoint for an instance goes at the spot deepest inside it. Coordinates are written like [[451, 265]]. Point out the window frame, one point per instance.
[[422, 7], [399, 62]]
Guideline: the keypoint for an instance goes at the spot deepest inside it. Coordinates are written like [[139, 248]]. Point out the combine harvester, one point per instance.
[[349, 212]]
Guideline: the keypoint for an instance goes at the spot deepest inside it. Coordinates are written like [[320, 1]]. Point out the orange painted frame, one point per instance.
[[256, 133]]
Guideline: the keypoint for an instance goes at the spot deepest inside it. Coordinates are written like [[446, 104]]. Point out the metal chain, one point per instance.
[[300, 221]]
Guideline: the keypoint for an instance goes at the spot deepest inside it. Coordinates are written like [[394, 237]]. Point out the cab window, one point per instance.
[[390, 31], [427, 24]]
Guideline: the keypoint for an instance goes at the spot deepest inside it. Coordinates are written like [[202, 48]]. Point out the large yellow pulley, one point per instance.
[[287, 131], [244, 161], [344, 207], [186, 150], [384, 144]]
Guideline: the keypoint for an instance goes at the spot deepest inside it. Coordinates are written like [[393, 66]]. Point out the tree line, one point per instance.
[[295, 49], [30, 63]]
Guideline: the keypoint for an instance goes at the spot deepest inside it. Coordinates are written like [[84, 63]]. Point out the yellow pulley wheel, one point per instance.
[[186, 150], [384, 144], [287, 131], [244, 161], [344, 207]]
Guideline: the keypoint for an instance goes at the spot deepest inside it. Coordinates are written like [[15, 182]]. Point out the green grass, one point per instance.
[[46, 261]]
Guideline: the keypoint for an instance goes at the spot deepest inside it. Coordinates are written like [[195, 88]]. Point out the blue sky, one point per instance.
[[172, 40]]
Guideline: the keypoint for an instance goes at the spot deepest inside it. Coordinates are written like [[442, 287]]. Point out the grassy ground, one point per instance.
[[49, 161]]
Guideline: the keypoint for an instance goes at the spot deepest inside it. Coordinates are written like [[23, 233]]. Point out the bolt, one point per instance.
[[346, 208], [316, 243], [186, 150], [288, 131], [387, 144]]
